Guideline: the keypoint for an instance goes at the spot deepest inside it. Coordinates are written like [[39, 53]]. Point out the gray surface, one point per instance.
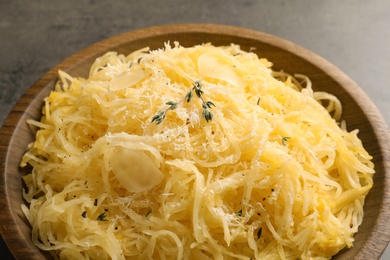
[[352, 34]]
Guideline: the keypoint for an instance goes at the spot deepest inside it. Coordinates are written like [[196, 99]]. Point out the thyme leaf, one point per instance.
[[189, 96], [209, 104], [159, 117], [207, 115], [198, 89], [259, 232], [173, 105], [285, 139], [102, 217]]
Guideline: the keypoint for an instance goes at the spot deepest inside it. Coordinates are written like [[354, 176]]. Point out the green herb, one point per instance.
[[159, 117], [173, 105], [206, 112], [148, 213], [102, 217], [285, 139], [207, 115], [259, 232], [189, 96], [84, 214], [206, 105], [198, 89], [258, 102], [239, 213]]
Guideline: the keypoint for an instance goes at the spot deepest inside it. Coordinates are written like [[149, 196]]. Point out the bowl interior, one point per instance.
[[358, 111]]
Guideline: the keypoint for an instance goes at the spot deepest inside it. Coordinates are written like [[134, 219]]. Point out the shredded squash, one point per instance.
[[273, 174]]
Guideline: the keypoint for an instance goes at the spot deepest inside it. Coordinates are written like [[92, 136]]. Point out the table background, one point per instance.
[[36, 35]]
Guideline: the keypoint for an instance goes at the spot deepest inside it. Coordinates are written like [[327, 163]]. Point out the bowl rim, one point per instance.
[[374, 116]]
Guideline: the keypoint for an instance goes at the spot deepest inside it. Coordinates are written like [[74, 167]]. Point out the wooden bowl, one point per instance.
[[359, 112]]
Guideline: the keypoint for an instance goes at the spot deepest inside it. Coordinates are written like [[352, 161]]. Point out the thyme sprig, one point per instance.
[[197, 88], [160, 116]]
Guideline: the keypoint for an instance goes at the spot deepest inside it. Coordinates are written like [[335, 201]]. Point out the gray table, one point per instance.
[[36, 35]]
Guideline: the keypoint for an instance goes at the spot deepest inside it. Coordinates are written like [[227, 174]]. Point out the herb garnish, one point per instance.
[[285, 139], [148, 213], [197, 88], [159, 117], [102, 217], [206, 105], [259, 232], [239, 213]]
